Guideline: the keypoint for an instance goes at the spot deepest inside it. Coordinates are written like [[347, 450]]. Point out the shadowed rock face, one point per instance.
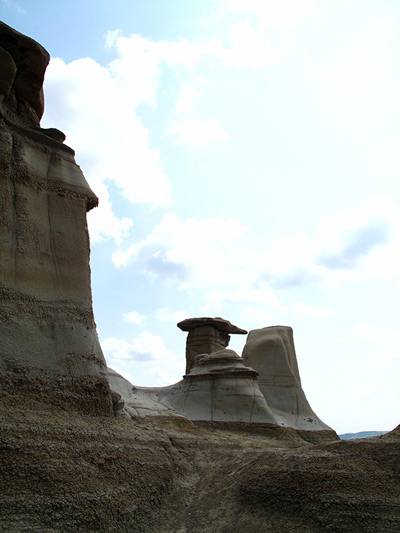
[[206, 335], [23, 64], [271, 352], [47, 330]]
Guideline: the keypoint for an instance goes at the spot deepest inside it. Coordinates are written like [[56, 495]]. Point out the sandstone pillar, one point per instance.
[[49, 343], [270, 351], [206, 335]]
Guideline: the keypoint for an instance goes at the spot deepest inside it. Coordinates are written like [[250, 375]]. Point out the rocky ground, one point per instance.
[[63, 470]]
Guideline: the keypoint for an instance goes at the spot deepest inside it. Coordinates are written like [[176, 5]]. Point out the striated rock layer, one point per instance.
[[47, 330], [206, 335], [81, 473], [219, 388], [271, 352]]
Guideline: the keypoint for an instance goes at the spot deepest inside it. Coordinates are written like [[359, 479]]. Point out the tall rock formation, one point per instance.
[[219, 388], [271, 352], [48, 336], [206, 335], [263, 387]]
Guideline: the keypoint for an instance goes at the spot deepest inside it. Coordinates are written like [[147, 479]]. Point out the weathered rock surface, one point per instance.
[[271, 352], [206, 335], [23, 64], [64, 471], [47, 330], [219, 388], [139, 402]]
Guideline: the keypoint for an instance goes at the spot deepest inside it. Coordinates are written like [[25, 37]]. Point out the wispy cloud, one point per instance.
[[134, 318], [305, 311], [150, 355], [198, 134], [359, 244], [206, 254], [164, 315]]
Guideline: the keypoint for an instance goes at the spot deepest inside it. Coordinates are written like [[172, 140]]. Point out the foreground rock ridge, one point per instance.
[[232, 447]]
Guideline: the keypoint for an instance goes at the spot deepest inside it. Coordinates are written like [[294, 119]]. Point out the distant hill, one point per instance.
[[362, 435]]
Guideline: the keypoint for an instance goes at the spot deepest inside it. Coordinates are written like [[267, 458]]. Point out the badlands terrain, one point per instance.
[[233, 447]]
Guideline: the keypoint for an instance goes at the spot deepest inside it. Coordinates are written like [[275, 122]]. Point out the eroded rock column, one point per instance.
[[271, 352], [205, 336], [49, 343]]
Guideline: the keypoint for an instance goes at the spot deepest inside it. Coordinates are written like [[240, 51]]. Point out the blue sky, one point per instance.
[[246, 157]]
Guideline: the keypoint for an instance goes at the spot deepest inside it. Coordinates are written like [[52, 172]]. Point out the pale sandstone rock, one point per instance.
[[271, 352], [263, 387], [206, 335], [47, 330], [138, 401], [219, 388]]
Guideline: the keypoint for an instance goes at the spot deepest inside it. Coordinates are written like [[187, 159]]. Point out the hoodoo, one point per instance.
[[48, 336], [206, 335], [271, 352], [262, 387]]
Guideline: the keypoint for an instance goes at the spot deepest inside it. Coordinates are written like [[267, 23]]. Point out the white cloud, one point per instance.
[[310, 312], [360, 244], [205, 254], [134, 318], [164, 315], [191, 253], [99, 117], [256, 307], [187, 97], [103, 223], [369, 332], [138, 59], [253, 43], [144, 347], [250, 48], [97, 106], [355, 87], [384, 160], [145, 361], [199, 134], [256, 317], [287, 14]]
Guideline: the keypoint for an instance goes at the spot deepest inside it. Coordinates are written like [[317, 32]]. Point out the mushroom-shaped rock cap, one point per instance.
[[218, 323]]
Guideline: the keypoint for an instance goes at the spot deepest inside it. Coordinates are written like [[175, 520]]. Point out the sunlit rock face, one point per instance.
[[219, 388], [271, 352], [47, 329]]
